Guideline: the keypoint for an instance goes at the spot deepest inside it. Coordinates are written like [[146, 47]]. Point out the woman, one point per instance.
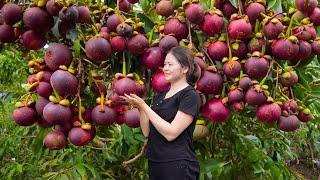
[[169, 124]]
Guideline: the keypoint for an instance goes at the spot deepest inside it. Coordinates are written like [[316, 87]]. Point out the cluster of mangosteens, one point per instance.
[[255, 45], [238, 50], [32, 23], [56, 82]]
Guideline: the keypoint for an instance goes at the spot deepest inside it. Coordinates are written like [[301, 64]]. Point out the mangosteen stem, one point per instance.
[[240, 7], [291, 95], [101, 102], [190, 36], [79, 111], [96, 83], [151, 35], [223, 91], [124, 68], [229, 48], [117, 8], [95, 29], [205, 52], [276, 14], [285, 96], [56, 94], [71, 65], [199, 37], [277, 81], [241, 74], [212, 4], [151, 9], [265, 77], [278, 64], [296, 65], [288, 33], [74, 99], [80, 75], [256, 27], [263, 50], [86, 60]]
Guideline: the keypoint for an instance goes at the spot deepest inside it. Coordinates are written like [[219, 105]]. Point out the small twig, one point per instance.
[[277, 80], [205, 52], [229, 47], [297, 63], [265, 77], [312, 155], [86, 60], [105, 139], [126, 163], [74, 99], [92, 147], [240, 7], [291, 93], [27, 137], [80, 76], [275, 62], [151, 9], [189, 28], [276, 14]]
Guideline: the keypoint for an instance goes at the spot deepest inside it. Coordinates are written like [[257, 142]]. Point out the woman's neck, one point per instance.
[[178, 85]]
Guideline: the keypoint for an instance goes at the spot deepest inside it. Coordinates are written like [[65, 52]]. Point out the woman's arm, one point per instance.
[[169, 130], [144, 123]]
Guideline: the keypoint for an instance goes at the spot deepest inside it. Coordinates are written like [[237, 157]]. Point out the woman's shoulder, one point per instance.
[[190, 90], [188, 93]]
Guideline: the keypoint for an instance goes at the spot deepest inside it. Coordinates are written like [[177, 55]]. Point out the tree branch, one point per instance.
[[126, 163]]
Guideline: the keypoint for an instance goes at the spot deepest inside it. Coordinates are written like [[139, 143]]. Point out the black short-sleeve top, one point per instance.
[[159, 149]]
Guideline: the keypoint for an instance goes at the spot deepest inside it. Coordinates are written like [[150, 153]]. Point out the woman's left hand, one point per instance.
[[134, 100]]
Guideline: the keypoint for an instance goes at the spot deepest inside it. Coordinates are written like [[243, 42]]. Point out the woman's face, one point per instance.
[[172, 69]]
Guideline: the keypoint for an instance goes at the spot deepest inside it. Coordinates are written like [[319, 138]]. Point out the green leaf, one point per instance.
[[1, 152], [317, 146], [254, 140], [76, 48], [138, 137], [205, 4], [148, 23], [254, 155], [82, 171], [271, 4], [19, 168], [145, 5], [276, 173], [234, 3], [211, 165], [276, 6], [63, 177], [257, 168], [177, 3], [91, 169], [49, 174], [72, 34], [127, 134]]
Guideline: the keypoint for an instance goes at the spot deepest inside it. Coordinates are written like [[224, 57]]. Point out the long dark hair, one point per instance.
[[185, 59]]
